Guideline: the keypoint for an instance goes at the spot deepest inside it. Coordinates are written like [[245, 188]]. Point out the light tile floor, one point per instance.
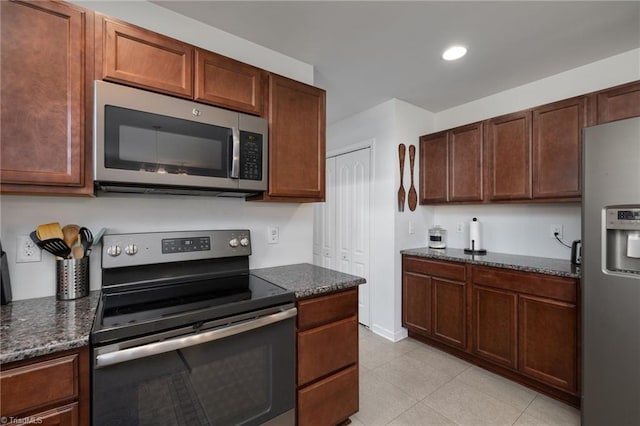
[[410, 383]]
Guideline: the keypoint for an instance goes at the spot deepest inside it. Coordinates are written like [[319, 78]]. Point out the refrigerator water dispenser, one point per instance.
[[623, 239]]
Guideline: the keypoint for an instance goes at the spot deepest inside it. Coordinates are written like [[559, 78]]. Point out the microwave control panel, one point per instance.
[[250, 156]]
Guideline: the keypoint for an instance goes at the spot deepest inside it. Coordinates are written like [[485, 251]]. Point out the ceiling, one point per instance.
[[365, 53]]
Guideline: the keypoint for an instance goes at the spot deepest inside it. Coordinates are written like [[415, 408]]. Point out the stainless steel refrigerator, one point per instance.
[[611, 274]]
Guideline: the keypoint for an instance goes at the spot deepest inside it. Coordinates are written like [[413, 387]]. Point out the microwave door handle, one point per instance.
[[235, 150]]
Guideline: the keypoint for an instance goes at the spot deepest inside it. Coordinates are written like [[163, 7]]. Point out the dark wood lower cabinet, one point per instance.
[[327, 342], [522, 325], [449, 316], [495, 325], [48, 390], [548, 341]]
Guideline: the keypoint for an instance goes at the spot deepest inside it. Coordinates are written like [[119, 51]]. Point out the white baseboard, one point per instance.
[[388, 334]]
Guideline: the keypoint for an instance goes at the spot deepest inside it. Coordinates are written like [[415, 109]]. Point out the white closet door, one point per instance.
[[341, 224], [324, 231], [352, 221]]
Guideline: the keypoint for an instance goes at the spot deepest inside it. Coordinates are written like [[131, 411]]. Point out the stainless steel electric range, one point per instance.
[[185, 335]]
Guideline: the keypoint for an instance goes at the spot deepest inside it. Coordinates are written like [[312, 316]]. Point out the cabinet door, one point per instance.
[[60, 416], [449, 312], [416, 302], [330, 401], [433, 168], [146, 59], [557, 135], [297, 139], [509, 156], [619, 103], [228, 83], [495, 325], [548, 343], [465, 163], [42, 119]]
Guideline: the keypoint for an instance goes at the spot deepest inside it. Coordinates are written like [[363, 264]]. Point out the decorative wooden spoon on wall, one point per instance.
[[401, 192], [413, 195]]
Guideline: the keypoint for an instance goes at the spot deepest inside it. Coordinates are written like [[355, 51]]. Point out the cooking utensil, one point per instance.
[[401, 192], [77, 252], [413, 195], [55, 246], [86, 239], [70, 233], [49, 231]]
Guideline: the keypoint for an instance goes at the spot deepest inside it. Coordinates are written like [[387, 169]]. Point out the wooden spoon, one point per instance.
[[78, 252], [70, 233], [401, 192], [413, 195]]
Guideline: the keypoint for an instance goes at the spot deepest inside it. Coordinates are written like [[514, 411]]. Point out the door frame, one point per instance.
[[365, 144]]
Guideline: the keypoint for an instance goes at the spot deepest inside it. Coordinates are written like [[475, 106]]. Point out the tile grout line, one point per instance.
[[525, 409]]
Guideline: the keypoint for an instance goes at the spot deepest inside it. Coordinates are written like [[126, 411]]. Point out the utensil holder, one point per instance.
[[72, 278]]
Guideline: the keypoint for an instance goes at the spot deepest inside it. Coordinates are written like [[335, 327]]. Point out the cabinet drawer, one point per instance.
[[326, 349], [451, 270], [527, 282], [316, 311], [329, 401], [39, 384]]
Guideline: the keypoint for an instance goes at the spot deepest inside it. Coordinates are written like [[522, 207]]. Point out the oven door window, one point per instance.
[[244, 379], [136, 140]]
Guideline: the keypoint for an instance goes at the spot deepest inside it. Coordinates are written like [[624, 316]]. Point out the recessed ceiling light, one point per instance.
[[454, 52]]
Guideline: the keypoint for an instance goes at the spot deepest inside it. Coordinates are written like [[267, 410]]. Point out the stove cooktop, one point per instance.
[[134, 313]]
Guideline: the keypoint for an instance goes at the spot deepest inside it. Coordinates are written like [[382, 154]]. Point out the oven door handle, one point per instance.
[[124, 355]]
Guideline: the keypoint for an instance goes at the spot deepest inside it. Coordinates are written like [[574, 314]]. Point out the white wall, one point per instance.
[[164, 21], [137, 213], [516, 229], [388, 124]]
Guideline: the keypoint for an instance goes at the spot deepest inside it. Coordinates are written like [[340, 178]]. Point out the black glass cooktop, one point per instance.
[[131, 313]]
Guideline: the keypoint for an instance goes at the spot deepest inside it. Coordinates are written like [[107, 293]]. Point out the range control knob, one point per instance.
[[244, 241], [131, 249], [113, 251], [234, 243]]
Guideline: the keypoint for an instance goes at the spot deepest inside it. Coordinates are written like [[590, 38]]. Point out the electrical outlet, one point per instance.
[[555, 229], [273, 235], [460, 227], [27, 250]]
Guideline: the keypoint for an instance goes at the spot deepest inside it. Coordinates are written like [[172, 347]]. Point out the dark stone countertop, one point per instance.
[[541, 265], [307, 280], [34, 327]]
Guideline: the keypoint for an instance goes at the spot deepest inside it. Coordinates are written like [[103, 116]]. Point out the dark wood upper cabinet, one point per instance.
[[433, 165], [46, 69], [228, 83], [465, 163], [556, 148], [619, 103], [508, 142], [296, 141], [142, 58]]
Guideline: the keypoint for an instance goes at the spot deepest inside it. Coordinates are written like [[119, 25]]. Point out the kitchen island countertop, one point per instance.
[[34, 327], [308, 280], [541, 265]]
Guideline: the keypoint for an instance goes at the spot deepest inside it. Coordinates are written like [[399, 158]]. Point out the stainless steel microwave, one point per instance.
[[147, 142]]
